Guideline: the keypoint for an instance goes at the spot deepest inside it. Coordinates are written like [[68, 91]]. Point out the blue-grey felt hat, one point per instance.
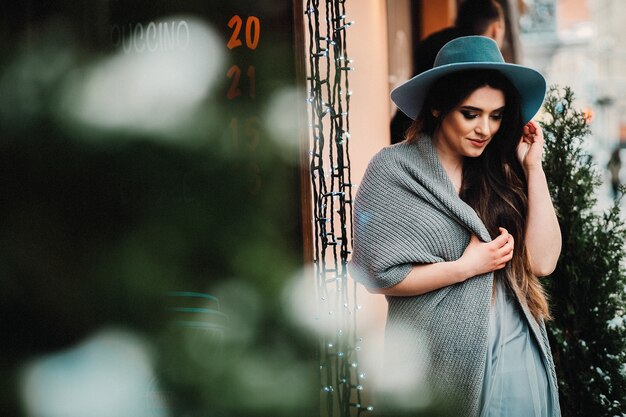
[[466, 53]]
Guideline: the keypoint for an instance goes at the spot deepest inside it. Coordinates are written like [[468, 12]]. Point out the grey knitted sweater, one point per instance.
[[407, 211]]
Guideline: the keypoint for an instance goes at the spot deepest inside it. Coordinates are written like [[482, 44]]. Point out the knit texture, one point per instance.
[[406, 212]]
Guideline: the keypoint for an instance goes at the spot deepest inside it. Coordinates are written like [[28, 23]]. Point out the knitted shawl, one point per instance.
[[406, 212]]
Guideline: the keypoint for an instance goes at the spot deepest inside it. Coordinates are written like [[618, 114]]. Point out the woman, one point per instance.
[[455, 225]]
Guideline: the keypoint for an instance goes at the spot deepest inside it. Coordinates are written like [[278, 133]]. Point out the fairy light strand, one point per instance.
[[329, 108]]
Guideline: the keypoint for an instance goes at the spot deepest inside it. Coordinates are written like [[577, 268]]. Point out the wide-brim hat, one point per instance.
[[469, 53]]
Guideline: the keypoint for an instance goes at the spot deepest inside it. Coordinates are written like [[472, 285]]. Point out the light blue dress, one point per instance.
[[516, 381]]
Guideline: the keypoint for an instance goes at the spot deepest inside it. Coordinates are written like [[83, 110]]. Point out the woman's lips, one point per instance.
[[478, 143]]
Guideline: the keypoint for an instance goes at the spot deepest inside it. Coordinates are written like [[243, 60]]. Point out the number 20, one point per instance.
[[253, 32]]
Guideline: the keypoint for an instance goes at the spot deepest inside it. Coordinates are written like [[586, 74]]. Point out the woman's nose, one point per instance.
[[483, 127]]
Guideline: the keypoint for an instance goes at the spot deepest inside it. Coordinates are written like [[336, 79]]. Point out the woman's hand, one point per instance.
[[480, 257], [530, 147]]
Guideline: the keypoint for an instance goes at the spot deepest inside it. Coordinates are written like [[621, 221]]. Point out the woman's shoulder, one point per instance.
[[385, 161], [392, 154], [401, 155], [392, 165]]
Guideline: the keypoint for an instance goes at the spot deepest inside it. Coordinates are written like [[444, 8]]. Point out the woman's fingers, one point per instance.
[[502, 239], [483, 257], [504, 246], [504, 259], [532, 133], [526, 131], [532, 127], [507, 247]]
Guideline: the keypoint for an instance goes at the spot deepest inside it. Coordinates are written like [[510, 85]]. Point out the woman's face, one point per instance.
[[470, 126]]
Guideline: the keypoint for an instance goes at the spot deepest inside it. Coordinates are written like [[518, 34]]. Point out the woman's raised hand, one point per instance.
[[530, 147], [480, 257]]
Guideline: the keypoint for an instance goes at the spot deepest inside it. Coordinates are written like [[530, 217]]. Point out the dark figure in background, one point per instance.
[[474, 17], [614, 166]]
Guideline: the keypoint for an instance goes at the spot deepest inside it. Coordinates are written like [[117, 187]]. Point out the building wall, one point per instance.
[[369, 123], [584, 47]]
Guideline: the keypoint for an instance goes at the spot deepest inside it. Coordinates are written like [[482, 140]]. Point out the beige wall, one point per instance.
[[369, 123], [399, 43], [367, 46]]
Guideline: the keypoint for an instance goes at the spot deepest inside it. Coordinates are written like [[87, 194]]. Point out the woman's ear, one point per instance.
[[435, 113]]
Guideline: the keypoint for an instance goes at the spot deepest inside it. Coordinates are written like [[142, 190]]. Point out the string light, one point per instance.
[[328, 100]]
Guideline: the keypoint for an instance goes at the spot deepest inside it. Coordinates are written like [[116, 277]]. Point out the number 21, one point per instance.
[[234, 73]]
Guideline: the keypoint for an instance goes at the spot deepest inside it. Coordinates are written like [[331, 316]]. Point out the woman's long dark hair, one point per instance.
[[494, 184]]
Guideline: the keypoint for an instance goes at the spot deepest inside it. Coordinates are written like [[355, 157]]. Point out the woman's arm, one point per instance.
[[478, 258], [543, 235]]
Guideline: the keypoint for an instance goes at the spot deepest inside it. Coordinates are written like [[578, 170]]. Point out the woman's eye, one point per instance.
[[496, 116], [469, 115]]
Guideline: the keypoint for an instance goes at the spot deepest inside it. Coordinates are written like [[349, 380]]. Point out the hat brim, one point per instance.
[[531, 85]]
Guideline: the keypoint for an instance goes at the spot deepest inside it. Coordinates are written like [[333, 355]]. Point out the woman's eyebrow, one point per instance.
[[477, 109]]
